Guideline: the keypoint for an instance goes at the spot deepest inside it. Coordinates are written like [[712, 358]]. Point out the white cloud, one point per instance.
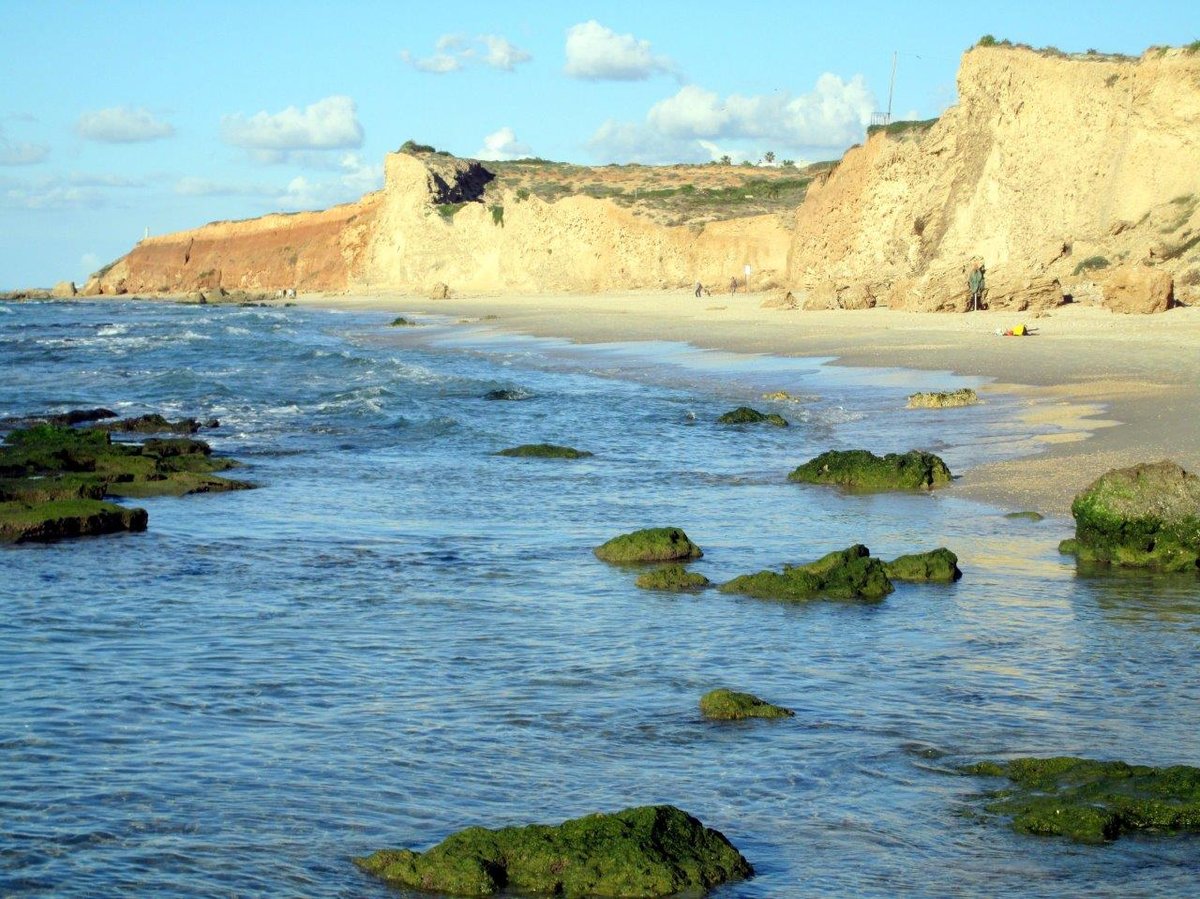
[[89, 262], [14, 152], [328, 124], [453, 52], [503, 144], [355, 179], [122, 125], [70, 191], [694, 123], [599, 53], [191, 186]]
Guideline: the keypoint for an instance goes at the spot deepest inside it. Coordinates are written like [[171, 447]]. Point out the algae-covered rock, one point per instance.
[[728, 705], [1146, 516], [156, 424], [672, 577], [639, 852], [649, 545], [401, 322], [55, 519], [1092, 801], [943, 400], [744, 415], [938, 565], [848, 574], [1027, 515], [507, 394], [863, 470], [544, 451]]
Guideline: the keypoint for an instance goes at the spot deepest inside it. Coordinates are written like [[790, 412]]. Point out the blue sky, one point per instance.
[[121, 116]]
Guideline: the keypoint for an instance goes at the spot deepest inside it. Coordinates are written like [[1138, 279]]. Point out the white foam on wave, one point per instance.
[[111, 330]]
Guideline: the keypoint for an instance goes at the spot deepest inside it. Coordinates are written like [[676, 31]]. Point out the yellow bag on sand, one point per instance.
[[1019, 331]]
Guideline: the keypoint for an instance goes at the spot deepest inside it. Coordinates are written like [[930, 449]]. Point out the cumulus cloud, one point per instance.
[[14, 152], [598, 53], [122, 125], [503, 144], [695, 123], [355, 178], [75, 190], [328, 124], [453, 52]]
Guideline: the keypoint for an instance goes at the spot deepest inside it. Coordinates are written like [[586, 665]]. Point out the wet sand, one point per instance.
[[1122, 389]]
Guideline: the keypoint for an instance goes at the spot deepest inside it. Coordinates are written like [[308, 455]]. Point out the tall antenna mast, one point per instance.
[[891, 87]]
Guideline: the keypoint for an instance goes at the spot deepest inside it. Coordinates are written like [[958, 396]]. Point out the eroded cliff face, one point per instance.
[[1058, 173], [1049, 168]]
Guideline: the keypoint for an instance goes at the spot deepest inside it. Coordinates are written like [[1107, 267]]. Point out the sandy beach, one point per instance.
[[1122, 389]]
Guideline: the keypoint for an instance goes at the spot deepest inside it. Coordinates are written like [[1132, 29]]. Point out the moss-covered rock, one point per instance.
[[938, 565], [1069, 547], [729, 705], [1146, 516], [639, 852], [1027, 515], [944, 399], [543, 451], [863, 470], [744, 415], [1091, 801], [649, 545], [55, 519], [401, 322], [48, 489], [672, 577], [156, 424], [847, 574], [507, 394]]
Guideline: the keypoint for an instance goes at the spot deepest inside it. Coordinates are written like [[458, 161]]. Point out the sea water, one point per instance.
[[400, 634]]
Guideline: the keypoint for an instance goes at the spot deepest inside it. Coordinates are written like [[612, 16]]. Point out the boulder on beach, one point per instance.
[[544, 451], [63, 290], [847, 574], [729, 705], [938, 565], [1145, 516], [1092, 801], [744, 415], [649, 851], [863, 470], [649, 545], [672, 577], [439, 291], [1138, 289], [948, 399]]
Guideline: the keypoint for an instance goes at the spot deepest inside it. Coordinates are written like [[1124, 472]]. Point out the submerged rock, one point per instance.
[[401, 322], [672, 577], [1146, 516], [64, 419], [848, 574], [944, 400], [544, 451], [155, 424], [863, 470], [649, 545], [728, 705], [1028, 515], [938, 565], [58, 518], [639, 852], [507, 394], [1090, 801], [744, 415]]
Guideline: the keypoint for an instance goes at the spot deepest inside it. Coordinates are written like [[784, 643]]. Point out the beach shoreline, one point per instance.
[[1119, 389]]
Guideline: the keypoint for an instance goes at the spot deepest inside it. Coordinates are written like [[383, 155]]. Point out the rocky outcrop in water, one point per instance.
[[1146, 516], [744, 415], [649, 545], [938, 565], [863, 470], [848, 574], [544, 451], [1091, 801], [674, 578], [649, 851], [949, 399], [729, 705]]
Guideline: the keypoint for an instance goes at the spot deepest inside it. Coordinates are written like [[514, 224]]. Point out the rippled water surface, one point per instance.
[[401, 634]]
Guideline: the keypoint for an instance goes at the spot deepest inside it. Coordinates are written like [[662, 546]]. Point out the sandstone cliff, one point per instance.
[[1073, 175], [1050, 168]]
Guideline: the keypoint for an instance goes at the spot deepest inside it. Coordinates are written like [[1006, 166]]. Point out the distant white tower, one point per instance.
[[147, 233]]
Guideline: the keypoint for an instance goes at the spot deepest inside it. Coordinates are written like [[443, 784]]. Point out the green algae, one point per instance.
[[401, 322], [46, 489], [672, 577], [544, 451], [154, 424], [744, 415], [54, 519], [943, 400], [648, 851], [649, 545], [848, 574], [1145, 516], [729, 705], [939, 565], [1092, 801], [863, 470], [1028, 515]]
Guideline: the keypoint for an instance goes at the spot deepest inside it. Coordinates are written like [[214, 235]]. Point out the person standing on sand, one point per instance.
[[733, 284], [699, 288], [975, 285]]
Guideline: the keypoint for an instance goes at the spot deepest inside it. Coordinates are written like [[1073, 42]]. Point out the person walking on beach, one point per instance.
[[975, 285], [733, 284], [699, 288]]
